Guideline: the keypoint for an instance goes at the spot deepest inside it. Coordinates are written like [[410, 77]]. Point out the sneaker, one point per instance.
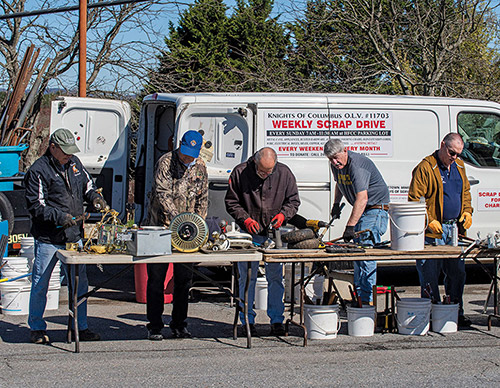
[[86, 335], [180, 333], [39, 337], [277, 329], [463, 321], [253, 330], [155, 335]]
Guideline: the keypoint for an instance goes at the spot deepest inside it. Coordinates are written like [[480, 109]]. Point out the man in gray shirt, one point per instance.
[[360, 182]]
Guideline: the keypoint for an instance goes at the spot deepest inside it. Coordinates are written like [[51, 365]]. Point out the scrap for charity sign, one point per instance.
[[488, 199], [303, 133]]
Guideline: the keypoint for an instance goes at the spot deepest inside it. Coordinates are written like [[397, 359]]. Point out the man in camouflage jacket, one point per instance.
[[180, 185]]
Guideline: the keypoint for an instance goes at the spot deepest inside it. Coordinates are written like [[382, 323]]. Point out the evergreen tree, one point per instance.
[[258, 47], [196, 55]]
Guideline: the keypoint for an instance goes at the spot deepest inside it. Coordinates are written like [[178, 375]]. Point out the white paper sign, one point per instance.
[[303, 133], [488, 199]]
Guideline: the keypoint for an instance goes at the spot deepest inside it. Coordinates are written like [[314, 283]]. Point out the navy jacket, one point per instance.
[[50, 196]]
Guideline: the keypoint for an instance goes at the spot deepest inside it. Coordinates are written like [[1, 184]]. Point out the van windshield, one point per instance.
[[481, 134]]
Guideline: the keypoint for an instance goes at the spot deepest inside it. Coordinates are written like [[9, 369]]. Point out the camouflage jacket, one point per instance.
[[177, 189]]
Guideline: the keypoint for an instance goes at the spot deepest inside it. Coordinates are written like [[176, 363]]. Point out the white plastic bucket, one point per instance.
[[15, 298], [444, 318], [14, 267], [52, 299], [55, 278], [361, 321], [321, 321], [313, 289], [261, 294], [407, 225], [413, 315], [27, 247], [318, 287]]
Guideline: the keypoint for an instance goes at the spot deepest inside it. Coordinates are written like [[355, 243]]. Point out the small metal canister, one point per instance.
[[454, 235]]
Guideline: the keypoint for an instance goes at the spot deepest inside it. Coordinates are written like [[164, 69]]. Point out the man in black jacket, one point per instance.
[[56, 186], [263, 193]]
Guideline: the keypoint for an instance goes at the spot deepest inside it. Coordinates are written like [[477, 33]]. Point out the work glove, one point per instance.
[[68, 221], [435, 227], [100, 204], [466, 219], [277, 221], [251, 225], [349, 233], [336, 210]]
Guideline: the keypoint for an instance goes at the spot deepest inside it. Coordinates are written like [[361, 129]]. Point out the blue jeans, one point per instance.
[[43, 265], [453, 269], [275, 288], [365, 272]]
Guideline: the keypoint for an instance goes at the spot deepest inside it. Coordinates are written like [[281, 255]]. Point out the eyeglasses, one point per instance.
[[453, 153]]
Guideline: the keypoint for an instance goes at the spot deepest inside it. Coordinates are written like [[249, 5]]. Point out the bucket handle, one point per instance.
[[411, 232], [323, 330], [13, 299], [410, 319]]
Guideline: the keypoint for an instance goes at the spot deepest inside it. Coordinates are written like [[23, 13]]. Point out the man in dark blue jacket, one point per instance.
[[56, 186]]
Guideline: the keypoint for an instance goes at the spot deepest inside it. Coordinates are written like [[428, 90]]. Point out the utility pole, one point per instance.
[[82, 51]]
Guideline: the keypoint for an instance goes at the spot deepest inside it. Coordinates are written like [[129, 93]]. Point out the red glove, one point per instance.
[[277, 221], [252, 226]]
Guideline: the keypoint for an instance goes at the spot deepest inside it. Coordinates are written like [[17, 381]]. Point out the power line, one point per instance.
[[67, 9]]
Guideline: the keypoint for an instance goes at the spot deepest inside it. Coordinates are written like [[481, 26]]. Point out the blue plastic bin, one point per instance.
[[9, 163]]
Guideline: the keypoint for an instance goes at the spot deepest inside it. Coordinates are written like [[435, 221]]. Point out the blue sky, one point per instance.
[[287, 10]]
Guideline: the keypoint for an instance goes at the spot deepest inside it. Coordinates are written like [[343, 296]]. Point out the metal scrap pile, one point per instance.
[[14, 110]]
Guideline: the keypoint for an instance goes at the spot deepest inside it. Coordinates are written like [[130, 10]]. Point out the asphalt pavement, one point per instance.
[[124, 357]]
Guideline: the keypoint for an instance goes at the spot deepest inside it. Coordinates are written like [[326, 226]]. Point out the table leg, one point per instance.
[[495, 293], [75, 308], [236, 290], [301, 303], [245, 304], [70, 304], [302, 298]]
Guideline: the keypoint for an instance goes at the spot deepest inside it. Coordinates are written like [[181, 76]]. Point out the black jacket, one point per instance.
[[50, 196], [248, 195]]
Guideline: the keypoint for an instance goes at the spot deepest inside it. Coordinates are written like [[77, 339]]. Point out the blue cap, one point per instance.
[[191, 144]]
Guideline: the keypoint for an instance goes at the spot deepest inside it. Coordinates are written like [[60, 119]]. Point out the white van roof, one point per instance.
[[312, 98]]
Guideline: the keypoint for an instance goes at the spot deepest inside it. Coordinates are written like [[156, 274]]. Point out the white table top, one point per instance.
[[73, 257]]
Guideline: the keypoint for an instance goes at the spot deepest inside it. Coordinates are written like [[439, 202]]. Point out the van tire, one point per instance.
[[297, 235], [6, 211], [312, 243]]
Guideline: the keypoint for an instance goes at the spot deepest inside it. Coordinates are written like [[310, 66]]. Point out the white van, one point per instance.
[[396, 132]]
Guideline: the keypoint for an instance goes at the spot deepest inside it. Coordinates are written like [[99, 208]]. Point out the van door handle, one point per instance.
[[472, 181], [218, 185]]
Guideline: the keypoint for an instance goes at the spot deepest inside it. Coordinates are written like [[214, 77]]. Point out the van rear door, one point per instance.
[[480, 129], [101, 130], [228, 134]]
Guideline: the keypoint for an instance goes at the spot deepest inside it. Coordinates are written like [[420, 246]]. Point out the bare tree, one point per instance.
[[122, 41], [425, 47]]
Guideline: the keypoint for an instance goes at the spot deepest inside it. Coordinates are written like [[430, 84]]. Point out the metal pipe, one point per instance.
[[69, 9], [82, 51], [32, 94]]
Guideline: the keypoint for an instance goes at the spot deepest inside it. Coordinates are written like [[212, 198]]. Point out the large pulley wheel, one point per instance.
[[189, 232]]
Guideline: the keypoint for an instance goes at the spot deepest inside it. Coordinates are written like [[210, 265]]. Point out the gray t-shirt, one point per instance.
[[360, 174]]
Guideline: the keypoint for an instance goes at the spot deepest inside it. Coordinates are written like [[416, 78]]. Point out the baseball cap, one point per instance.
[[191, 144], [65, 139]]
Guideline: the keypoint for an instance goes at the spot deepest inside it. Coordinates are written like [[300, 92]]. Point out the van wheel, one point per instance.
[[6, 211], [297, 235], [312, 243]]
